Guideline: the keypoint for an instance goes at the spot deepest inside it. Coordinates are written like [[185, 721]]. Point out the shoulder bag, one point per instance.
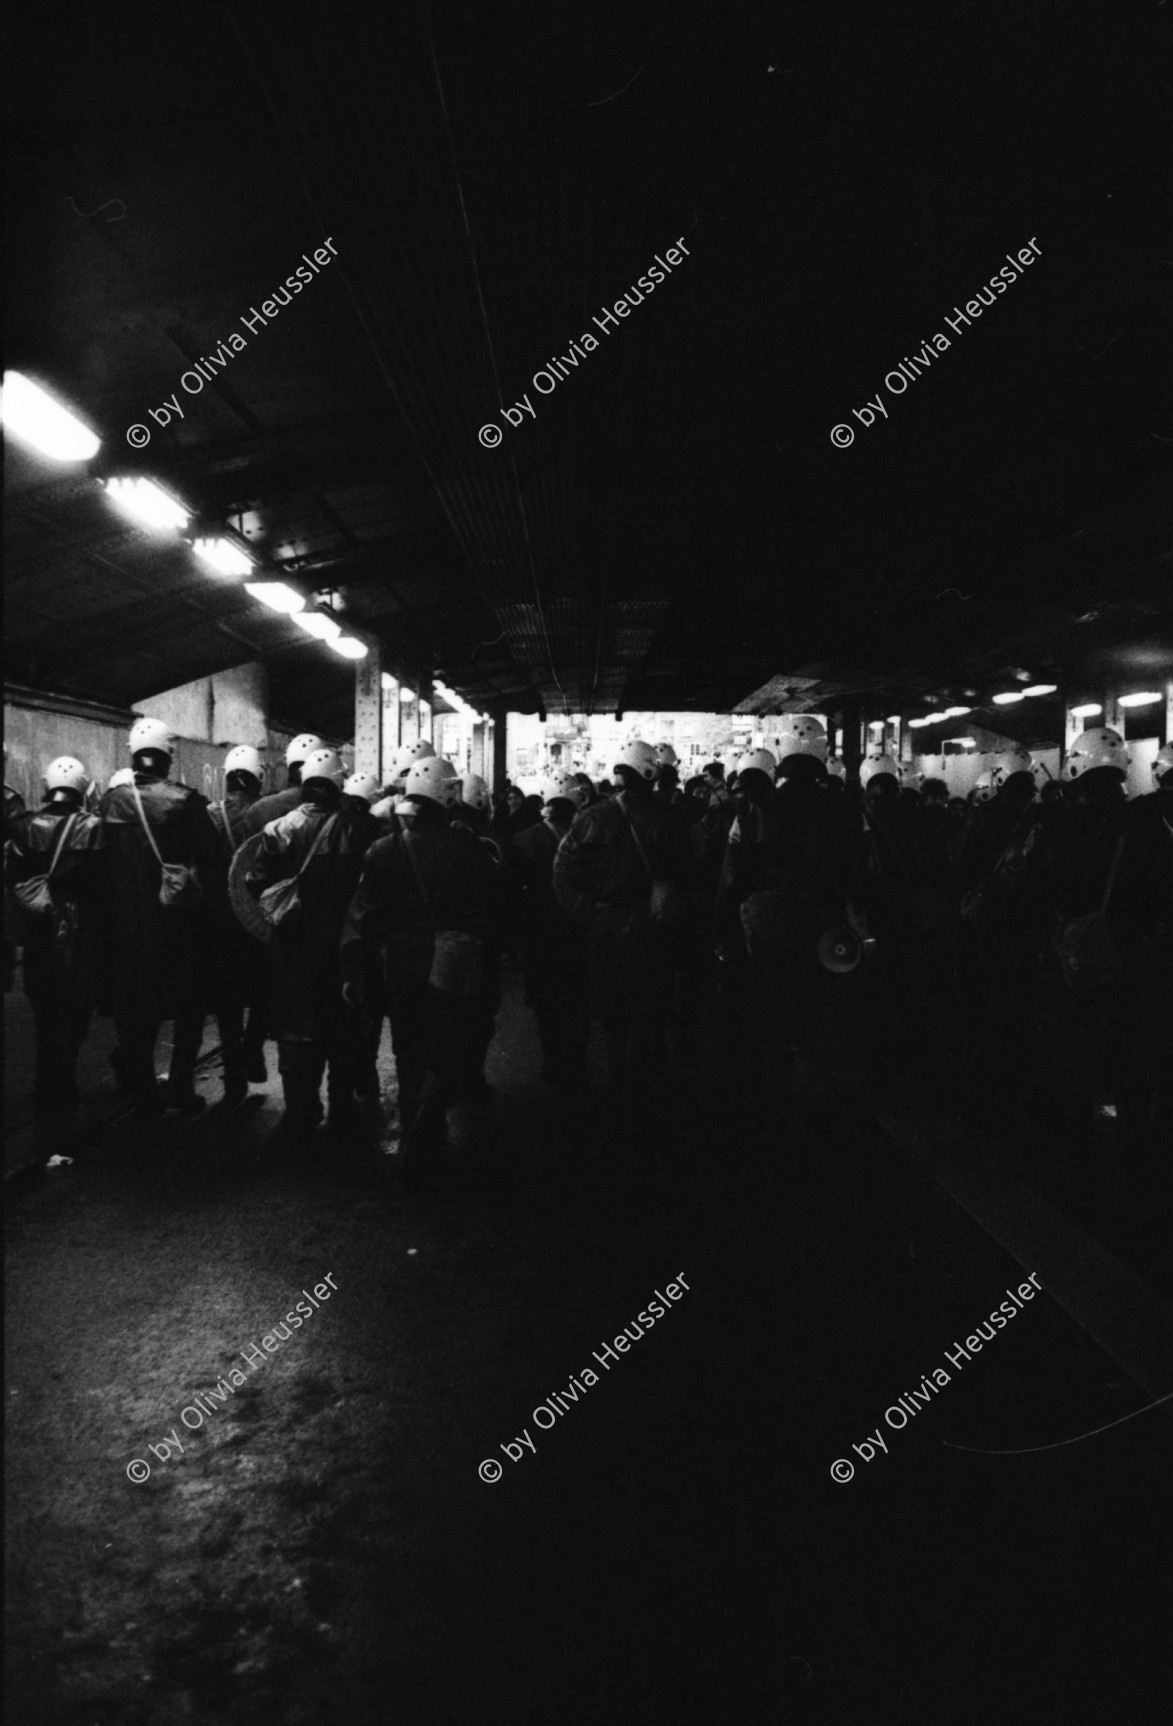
[[281, 905], [181, 888], [669, 906], [456, 961], [1085, 946], [34, 896]]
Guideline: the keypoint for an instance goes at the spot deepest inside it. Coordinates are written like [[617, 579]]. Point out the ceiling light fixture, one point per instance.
[[1007, 696], [222, 556], [1041, 689], [143, 499], [892, 719], [918, 722], [1140, 700], [34, 417], [350, 647], [276, 595], [387, 680], [317, 624], [1087, 710], [956, 712], [406, 694]]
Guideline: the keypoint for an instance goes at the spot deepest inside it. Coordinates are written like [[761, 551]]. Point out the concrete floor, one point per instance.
[[674, 1548]]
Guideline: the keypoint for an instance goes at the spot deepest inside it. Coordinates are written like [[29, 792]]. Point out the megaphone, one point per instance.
[[840, 950]]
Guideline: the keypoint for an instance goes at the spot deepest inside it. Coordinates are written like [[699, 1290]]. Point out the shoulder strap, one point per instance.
[[417, 872], [229, 835], [318, 837], [1112, 872], [643, 856], [63, 833], [142, 815]]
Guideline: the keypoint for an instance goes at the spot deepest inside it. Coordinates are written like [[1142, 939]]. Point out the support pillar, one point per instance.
[[368, 713], [498, 730]]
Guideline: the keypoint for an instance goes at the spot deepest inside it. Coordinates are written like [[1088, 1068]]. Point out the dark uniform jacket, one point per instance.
[[156, 956], [61, 955], [388, 939], [307, 986], [599, 864]]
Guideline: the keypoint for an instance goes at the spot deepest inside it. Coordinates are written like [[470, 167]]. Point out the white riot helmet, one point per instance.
[[1098, 747], [244, 759], [363, 785], [152, 734], [910, 779], [303, 745], [876, 764], [801, 734], [322, 764], [420, 750], [1016, 760], [435, 778], [640, 757], [758, 761], [561, 784], [667, 756], [1041, 774], [67, 774], [475, 792], [124, 776], [984, 789], [1162, 763], [835, 768]]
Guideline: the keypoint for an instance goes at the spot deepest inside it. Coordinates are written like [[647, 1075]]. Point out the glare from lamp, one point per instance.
[[387, 680], [956, 712], [222, 556], [34, 417], [935, 718], [349, 647], [1007, 696], [406, 694], [143, 499], [276, 595], [1139, 700], [317, 624], [918, 722], [892, 719], [1041, 689], [1086, 710]]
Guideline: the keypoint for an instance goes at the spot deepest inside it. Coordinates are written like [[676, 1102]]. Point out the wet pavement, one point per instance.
[[674, 1545]]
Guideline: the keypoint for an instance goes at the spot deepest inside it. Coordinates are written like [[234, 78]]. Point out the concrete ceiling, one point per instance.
[[672, 524]]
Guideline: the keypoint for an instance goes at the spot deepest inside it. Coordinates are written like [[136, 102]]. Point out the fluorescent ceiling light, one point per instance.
[[406, 694], [1007, 696], [918, 722], [317, 624], [143, 499], [1140, 700], [1041, 689], [36, 419], [350, 647], [956, 712], [388, 681], [275, 595], [892, 719], [1088, 710], [963, 742], [935, 718], [222, 555]]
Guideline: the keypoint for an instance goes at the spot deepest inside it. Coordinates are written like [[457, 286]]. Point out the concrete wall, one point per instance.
[[207, 716]]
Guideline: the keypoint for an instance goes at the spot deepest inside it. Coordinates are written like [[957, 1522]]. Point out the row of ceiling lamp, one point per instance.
[[33, 416]]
